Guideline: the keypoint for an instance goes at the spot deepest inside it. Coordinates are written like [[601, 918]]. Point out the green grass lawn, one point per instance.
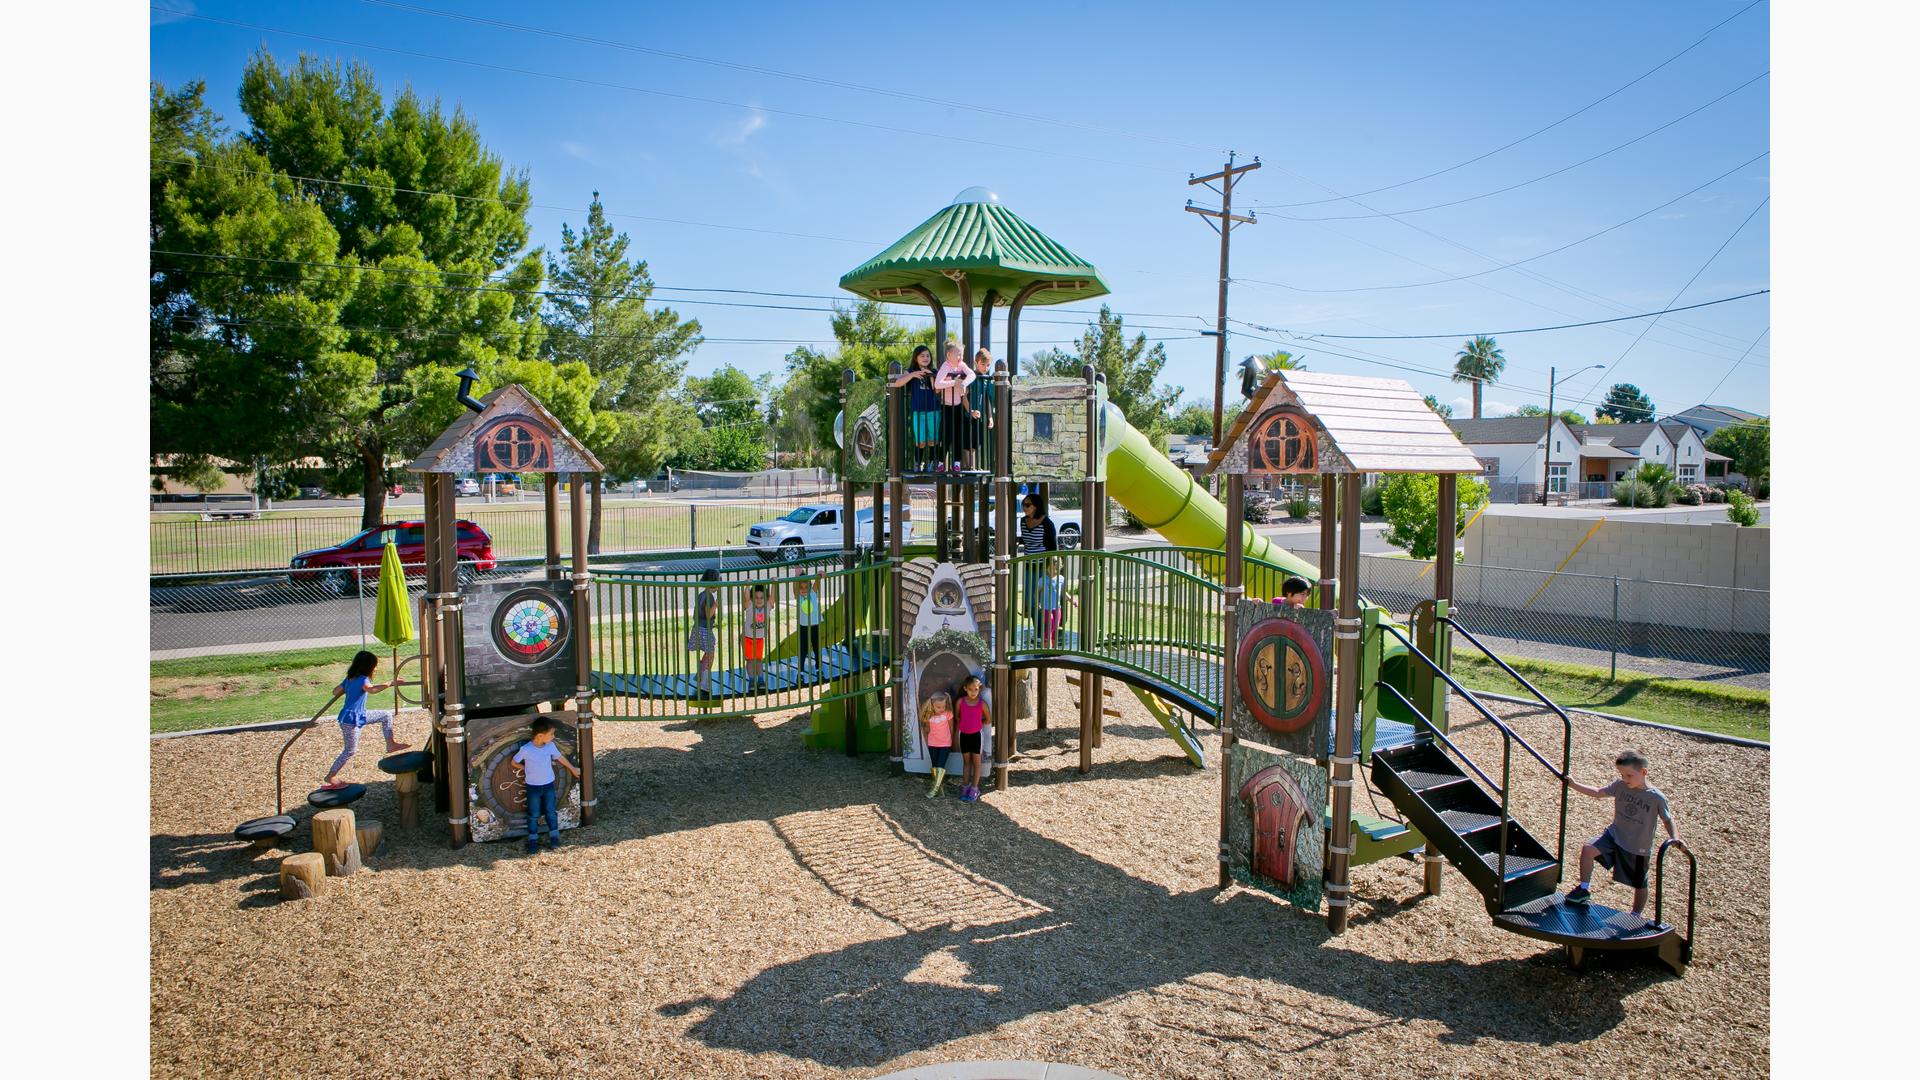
[[215, 691], [1728, 710]]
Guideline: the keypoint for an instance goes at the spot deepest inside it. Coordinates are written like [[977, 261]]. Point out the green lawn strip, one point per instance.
[[246, 688], [1727, 710]]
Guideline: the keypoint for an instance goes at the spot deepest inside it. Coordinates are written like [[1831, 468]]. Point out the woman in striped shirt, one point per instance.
[[1036, 535]]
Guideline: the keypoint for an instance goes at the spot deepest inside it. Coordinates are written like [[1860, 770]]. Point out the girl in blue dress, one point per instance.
[[354, 715]]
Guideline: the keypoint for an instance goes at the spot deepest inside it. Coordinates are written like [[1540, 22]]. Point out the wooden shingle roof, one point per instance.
[[1365, 425], [453, 451]]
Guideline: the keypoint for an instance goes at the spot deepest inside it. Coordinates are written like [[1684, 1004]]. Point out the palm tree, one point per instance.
[[1480, 363]]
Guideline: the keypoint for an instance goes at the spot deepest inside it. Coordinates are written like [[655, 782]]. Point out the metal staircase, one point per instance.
[[1466, 814]]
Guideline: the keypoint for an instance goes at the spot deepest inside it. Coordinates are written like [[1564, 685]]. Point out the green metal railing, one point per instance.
[[646, 652], [1126, 610]]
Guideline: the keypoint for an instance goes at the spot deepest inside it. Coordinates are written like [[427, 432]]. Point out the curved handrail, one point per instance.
[[1389, 628], [1441, 735], [279, 774], [1660, 882]]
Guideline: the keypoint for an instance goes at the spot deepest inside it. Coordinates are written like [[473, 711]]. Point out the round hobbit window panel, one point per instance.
[[529, 627], [513, 444], [947, 597], [1282, 676], [1283, 442]]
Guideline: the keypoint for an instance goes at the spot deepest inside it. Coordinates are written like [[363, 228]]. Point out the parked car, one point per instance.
[[505, 483], [815, 529], [338, 569], [466, 485], [311, 491]]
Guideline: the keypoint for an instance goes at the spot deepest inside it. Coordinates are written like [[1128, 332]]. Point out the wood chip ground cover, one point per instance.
[[747, 908]]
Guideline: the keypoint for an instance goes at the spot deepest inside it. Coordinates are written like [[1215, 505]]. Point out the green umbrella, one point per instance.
[[392, 619]]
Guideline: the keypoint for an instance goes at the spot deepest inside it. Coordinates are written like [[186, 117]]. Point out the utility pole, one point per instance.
[[1221, 221]]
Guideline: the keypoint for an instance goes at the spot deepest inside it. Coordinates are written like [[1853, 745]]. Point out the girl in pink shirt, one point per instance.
[[950, 382], [936, 730], [971, 717]]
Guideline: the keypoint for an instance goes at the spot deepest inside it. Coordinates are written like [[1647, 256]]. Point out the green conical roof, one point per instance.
[[992, 244]]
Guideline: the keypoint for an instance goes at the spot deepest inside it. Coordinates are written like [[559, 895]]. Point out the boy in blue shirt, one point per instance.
[[535, 760]]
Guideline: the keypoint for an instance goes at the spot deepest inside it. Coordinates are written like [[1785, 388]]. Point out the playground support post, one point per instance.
[[1329, 497], [583, 641], [897, 492], [1346, 641], [453, 721], [550, 500], [1043, 492], [1236, 553], [1442, 595], [1005, 725], [849, 520], [1093, 532], [1089, 696], [433, 630]]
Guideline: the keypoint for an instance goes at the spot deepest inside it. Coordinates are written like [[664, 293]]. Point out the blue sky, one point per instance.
[[1128, 99]]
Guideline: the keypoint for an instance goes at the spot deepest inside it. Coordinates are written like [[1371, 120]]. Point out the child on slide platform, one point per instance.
[[354, 715], [1627, 845], [753, 635], [951, 383], [1295, 592], [936, 730]]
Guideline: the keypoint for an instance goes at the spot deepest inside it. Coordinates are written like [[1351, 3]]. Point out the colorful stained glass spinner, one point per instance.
[[530, 628]]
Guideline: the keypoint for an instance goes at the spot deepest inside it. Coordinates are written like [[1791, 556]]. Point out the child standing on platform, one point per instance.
[[806, 603], [951, 381], [706, 607], [354, 715], [975, 445], [971, 717], [753, 635], [923, 405], [936, 730], [534, 761], [1627, 845], [1053, 599]]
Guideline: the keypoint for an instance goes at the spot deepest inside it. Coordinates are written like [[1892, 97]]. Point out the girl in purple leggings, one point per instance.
[[354, 715]]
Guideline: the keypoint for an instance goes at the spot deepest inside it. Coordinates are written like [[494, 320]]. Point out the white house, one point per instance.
[[1515, 453], [1609, 452]]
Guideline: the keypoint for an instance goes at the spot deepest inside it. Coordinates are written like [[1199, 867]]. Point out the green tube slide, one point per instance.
[[1172, 503]]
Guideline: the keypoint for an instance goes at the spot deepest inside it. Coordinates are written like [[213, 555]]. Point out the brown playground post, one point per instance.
[[902, 508], [1234, 588], [1006, 735], [1329, 496], [849, 604], [1346, 647], [1089, 692], [583, 642], [1442, 590]]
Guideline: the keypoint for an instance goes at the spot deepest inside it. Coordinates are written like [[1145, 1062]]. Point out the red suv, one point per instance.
[[333, 567]]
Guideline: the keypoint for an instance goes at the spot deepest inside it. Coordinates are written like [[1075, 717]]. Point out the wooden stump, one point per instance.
[[369, 837], [406, 787], [336, 840], [302, 876]]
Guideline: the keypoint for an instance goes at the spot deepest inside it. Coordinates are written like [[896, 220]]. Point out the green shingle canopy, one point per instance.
[[990, 243]]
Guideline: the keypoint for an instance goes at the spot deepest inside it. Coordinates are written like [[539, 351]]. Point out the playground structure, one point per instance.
[[1194, 628]]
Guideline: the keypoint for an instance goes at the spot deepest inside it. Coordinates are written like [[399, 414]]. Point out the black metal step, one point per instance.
[[1518, 866], [1462, 822], [1420, 781], [1462, 819]]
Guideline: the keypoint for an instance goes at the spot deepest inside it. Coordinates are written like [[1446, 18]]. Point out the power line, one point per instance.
[[1735, 367], [1528, 259], [781, 74], [1537, 179], [558, 293], [1541, 131], [1761, 205], [605, 85], [1537, 329]]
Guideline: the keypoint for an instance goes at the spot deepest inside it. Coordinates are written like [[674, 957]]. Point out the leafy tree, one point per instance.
[[1131, 369], [1411, 504], [1741, 509], [1445, 411], [1747, 444], [732, 436], [1626, 404], [1194, 419], [1478, 363], [597, 315], [1566, 415], [868, 340], [401, 243]]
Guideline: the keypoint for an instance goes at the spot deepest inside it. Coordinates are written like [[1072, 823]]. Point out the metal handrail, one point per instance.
[[1111, 556], [1566, 746], [1660, 882], [1509, 737], [279, 774]]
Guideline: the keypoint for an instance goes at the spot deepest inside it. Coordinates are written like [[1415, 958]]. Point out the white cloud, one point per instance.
[[577, 150], [739, 133]]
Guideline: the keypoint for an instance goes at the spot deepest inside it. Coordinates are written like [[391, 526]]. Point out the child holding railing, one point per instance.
[[700, 640], [806, 604], [1053, 599], [923, 406], [975, 445], [753, 635], [951, 381]]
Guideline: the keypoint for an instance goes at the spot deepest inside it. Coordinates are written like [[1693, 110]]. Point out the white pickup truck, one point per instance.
[[815, 530]]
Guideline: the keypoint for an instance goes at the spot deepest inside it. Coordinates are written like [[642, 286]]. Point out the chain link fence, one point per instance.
[[1669, 629]]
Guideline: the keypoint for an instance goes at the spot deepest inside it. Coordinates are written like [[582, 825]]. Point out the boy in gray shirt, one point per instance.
[[1626, 846]]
